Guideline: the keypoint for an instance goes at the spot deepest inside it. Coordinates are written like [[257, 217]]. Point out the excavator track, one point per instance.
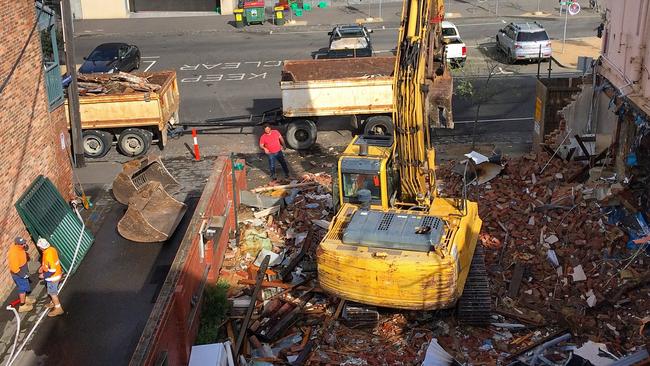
[[474, 306]]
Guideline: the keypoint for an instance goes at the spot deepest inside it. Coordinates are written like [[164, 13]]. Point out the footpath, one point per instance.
[[353, 11]]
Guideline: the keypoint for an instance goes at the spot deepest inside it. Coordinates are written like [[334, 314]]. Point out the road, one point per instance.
[[233, 73]]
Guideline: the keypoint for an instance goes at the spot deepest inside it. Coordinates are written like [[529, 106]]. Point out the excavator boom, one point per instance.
[[419, 75]]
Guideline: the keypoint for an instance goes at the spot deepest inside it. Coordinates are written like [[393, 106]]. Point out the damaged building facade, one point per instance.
[[609, 108]]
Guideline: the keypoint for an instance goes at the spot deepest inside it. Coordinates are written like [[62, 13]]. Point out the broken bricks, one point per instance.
[[561, 270]]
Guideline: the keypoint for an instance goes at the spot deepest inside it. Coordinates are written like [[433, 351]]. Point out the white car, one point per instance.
[[455, 49]]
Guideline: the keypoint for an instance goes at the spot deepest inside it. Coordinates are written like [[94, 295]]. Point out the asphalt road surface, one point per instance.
[[233, 73]]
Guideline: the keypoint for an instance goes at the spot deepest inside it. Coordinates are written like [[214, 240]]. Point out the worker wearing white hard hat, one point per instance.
[[52, 272]]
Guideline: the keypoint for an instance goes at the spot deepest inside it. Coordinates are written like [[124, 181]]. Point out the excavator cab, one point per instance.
[[366, 165]]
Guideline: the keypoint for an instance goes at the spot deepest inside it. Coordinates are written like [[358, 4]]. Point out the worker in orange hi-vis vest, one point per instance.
[[52, 272], [17, 257]]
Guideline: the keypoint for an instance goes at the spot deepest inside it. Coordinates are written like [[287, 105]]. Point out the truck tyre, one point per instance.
[[96, 143], [134, 142], [301, 134], [378, 125]]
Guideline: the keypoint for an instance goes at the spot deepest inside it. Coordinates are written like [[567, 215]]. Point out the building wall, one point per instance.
[[30, 137], [173, 323], [626, 61], [104, 9]]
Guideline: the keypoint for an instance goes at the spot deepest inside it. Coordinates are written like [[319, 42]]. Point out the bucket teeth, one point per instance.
[[152, 216], [145, 185], [137, 173]]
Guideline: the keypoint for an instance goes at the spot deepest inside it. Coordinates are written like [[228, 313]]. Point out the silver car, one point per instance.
[[524, 41]]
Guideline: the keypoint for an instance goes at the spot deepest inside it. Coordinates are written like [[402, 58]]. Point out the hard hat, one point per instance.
[[43, 243], [20, 240]]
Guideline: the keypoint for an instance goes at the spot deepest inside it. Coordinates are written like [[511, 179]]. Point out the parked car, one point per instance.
[[349, 41], [455, 49], [111, 57], [524, 41]]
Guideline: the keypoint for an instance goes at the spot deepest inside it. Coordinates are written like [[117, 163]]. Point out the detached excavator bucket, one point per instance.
[[137, 173], [152, 216]]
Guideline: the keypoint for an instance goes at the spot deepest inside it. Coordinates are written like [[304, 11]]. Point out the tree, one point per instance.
[[466, 86]]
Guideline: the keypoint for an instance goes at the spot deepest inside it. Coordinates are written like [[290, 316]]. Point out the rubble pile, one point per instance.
[[564, 278], [120, 83], [553, 257]]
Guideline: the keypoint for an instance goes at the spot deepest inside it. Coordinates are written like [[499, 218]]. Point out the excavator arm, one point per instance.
[[422, 88]]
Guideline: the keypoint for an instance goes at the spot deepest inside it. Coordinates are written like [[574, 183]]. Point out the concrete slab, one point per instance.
[[568, 54]]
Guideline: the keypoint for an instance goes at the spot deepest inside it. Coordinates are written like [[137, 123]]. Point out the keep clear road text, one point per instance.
[[227, 71]]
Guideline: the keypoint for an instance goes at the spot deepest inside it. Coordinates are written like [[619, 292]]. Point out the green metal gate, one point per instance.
[[47, 215]]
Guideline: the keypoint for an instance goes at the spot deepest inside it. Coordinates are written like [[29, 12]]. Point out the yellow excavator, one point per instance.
[[394, 242]]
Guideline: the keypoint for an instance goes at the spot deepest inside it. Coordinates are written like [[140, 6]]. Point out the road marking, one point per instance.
[[497, 120], [476, 24], [503, 72], [150, 57], [150, 62]]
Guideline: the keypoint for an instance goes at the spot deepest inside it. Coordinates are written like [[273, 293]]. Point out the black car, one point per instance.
[[349, 41], [111, 57]]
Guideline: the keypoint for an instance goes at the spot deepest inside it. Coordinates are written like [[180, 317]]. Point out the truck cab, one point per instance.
[[455, 48]]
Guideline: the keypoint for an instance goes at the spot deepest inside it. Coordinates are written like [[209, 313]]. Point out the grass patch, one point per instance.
[[213, 313]]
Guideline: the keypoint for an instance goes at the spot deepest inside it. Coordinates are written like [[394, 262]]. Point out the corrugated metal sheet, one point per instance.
[[47, 215]]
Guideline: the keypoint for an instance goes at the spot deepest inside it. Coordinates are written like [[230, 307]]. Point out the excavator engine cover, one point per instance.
[[152, 216], [137, 173]]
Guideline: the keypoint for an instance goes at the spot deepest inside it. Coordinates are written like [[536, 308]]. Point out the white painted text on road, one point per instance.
[[230, 65], [224, 77]]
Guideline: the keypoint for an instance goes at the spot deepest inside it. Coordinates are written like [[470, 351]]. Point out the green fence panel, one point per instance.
[[47, 215]]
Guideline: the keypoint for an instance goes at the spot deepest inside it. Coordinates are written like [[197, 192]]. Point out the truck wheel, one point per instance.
[[301, 134], [96, 143], [134, 141], [378, 125]]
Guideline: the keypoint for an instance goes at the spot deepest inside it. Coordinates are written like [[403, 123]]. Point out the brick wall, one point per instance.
[[29, 134], [174, 320]]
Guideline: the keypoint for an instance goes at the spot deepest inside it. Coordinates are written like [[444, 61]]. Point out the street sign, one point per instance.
[[574, 8]]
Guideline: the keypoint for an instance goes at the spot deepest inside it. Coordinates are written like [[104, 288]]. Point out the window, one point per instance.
[[532, 37], [103, 54], [448, 32], [353, 182]]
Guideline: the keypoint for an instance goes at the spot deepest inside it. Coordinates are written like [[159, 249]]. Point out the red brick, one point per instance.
[[29, 138]]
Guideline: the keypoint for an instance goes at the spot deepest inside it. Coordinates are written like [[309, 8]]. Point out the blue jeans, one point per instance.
[[279, 156], [22, 283]]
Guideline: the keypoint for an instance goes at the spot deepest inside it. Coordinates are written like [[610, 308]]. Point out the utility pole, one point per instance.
[[566, 20], [73, 90]]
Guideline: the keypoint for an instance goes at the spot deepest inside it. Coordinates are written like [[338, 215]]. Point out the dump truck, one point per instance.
[[317, 91], [131, 118]]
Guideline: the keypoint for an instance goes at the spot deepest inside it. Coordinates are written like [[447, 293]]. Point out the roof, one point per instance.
[[448, 24], [111, 45], [528, 27]]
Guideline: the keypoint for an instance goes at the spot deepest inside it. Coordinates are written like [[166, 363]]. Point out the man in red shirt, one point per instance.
[[272, 143]]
